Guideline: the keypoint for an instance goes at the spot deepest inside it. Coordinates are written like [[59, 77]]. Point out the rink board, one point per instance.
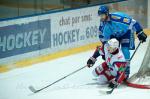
[[32, 39], [29, 40]]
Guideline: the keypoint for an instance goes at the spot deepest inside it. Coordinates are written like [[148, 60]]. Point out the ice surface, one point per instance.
[[81, 85]]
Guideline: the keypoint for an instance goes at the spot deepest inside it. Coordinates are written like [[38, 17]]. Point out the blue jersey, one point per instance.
[[118, 25]]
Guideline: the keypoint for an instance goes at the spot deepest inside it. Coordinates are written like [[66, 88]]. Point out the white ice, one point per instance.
[[81, 85]]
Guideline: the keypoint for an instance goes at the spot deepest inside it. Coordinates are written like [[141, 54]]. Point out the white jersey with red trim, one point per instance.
[[114, 61]]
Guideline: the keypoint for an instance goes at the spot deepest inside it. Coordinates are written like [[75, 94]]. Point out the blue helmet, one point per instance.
[[103, 10]]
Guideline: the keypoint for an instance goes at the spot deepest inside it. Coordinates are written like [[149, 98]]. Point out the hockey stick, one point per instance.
[[110, 91], [38, 90]]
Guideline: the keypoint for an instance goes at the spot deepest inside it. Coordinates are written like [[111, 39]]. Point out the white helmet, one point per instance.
[[113, 45]]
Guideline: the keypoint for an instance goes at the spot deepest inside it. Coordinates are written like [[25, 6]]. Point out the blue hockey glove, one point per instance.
[[142, 36], [102, 39]]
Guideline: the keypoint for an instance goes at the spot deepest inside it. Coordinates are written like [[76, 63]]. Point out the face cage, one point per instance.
[[111, 49]]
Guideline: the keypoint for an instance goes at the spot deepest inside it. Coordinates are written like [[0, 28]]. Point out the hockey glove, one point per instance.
[[113, 84], [142, 36], [91, 62], [102, 39], [103, 57]]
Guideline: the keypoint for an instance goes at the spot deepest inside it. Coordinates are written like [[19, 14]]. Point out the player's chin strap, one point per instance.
[[110, 91]]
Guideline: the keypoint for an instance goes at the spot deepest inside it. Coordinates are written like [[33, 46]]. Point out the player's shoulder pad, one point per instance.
[[120, 18]]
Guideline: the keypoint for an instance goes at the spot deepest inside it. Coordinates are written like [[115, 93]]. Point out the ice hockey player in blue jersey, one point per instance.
[[122, 27]]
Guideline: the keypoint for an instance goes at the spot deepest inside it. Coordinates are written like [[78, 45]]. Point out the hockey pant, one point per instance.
[[105, 74]]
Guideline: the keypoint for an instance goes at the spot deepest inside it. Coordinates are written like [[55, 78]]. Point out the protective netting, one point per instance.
[[142, 78]]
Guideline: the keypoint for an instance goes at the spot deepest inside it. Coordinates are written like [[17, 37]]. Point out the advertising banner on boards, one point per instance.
[[49, 33], [21, 38]]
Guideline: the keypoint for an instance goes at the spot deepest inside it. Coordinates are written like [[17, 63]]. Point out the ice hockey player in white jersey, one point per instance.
[[111, 71]]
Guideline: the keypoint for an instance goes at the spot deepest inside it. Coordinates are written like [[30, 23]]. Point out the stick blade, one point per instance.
[[32, 89], [105, 92], [109, 92]]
